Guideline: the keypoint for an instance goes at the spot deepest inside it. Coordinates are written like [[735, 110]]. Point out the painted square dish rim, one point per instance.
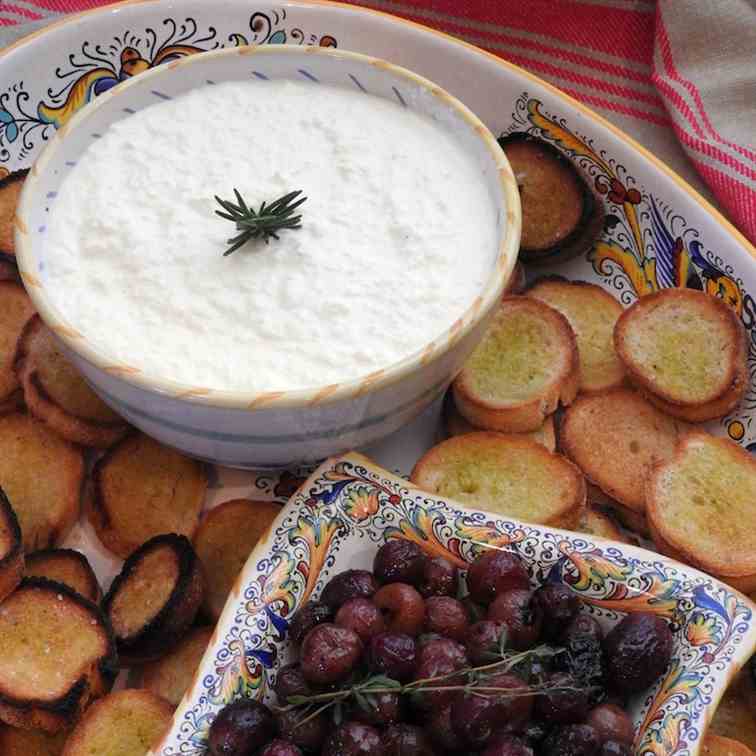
[[349, 505]]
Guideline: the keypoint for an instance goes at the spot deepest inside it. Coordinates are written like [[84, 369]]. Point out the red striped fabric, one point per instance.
[[614, 55]]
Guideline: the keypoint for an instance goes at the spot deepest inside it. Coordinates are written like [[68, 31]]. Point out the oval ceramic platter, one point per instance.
[[658, 233]]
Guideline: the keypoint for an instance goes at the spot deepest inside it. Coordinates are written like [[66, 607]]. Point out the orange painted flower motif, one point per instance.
[[701, 630], [361, 502]]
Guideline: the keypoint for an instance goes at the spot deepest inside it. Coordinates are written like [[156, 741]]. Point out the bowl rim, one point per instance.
[[485, 300]]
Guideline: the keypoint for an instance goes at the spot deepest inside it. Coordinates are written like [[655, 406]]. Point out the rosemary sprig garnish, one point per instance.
[[263, 223]]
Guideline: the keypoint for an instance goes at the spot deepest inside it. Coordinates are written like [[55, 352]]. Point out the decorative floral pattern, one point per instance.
[[646, 246], [99, 66], [348, 507]]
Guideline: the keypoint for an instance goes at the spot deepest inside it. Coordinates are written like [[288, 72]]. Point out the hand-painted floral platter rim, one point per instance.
[[349, 506]]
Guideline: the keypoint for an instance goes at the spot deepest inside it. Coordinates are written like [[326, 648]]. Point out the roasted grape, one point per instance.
[[280, 747], [507, 745], [522, 616], [362, 616], [406, 740], [441, 732], [573, 740], [240, 728], [403, 608], [399, 561], [613, 748], [566, 703], [559, 606], [475, 612], [353, 739], [436, 657], [377, 709], [439, 578], [329, 654], [638, 651], [298, 727], [348, 585], [582, 626], [515, 705], [474, 718], [291, 682], [495, 572], [445, 615], [311, 614], [484, 640], [393, 655], [584, 659], [611, 723]]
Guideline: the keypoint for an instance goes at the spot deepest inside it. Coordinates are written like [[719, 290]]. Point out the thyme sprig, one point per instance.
[[264, 223]]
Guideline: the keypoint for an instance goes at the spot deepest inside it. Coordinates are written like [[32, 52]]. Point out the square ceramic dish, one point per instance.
[[346, 510]]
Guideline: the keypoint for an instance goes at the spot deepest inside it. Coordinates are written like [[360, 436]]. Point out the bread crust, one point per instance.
[[513, 415], [11, 553], [15, 311], [66, 566], [516, 283], [566, 479], [716, 745], [706, 555], [60, 712], [10, 188], [174, 617], [596, 523], [722, 396]]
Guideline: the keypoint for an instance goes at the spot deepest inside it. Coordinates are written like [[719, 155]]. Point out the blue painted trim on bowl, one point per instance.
[[240, 438], [357, 83]]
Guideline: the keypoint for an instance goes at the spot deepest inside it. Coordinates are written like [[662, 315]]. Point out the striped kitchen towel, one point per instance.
[[679, 76]]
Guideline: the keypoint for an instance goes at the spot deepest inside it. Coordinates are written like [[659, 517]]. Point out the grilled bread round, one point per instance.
[[686, 351], [224, 540], [595, 522], [701, 507], [55, 392], [592, 313], [154, 599], [171, 676], [716, 745], [615, 438], [11, 548], [126, 723], [10, 191], [15, 311], [142, 489], [513, 477], [735, 716], [516, 282], [17, 742], [65, 566], [42, 476], [58, 654], [526, 363]]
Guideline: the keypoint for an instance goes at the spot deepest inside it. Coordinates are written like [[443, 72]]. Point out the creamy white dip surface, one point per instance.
[[398, 236]]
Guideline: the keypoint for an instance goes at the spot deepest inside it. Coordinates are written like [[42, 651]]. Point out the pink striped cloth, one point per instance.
[[679, 76]]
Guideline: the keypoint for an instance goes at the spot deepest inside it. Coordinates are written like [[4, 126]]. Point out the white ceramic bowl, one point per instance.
[[274, 428]]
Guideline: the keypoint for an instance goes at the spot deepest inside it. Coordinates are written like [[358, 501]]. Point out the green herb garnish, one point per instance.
[[263, 223]]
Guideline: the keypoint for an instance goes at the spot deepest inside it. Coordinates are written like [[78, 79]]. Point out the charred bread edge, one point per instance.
[[149, 638], [81, 558], [13, 561], [11, 178], [69, 703]]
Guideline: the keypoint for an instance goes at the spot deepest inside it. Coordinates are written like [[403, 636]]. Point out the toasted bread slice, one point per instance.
[[58, 654], [525, 365], [171, 676], [11, 548], [65, 566], [592, 313], [42, 476], [14, 403], [517, 281], [17, 742], [701, 508], [716, 745], [615, 438], [561, 216], [8, 271], [154, 599], [510, 476], [15, 311], [126, 723], [686, 351], [456, 425], [597, 523], [224, 540], [142, 489], [735, 716], [10, 191], [56, 393]]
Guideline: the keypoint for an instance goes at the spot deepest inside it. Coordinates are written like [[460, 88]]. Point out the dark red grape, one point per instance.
[[440, 578], [521, 615], [348, 585], [507, 745], [399, 561], [573, 740], [493, 573], [613, 748], [446, 616], [436, 657], [483, 641], [311, 614], [474, 718], [582, 626], [362, 616], [514, 709], [393, 655], [377, 709], [584, 659], [353, 739], [439, 728], [240, 728], [611, 723], [534, 733], [638, 651], [295, 726], [475, 612], [559, 606], [406, 740], [291, 682], [329, 654], [403, 608], [280, 748], [560, 706]]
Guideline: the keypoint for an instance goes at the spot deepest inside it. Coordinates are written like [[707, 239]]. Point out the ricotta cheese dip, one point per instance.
[[398, 237]]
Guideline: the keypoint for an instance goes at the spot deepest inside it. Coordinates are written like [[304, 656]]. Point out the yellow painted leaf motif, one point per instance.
[[702, 630], [665, 740], [236, 679], [642, 276], [80, 94], [421, 533], [318, 534], [485, 534], [593, 569], [361, 502], [564, 137]]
